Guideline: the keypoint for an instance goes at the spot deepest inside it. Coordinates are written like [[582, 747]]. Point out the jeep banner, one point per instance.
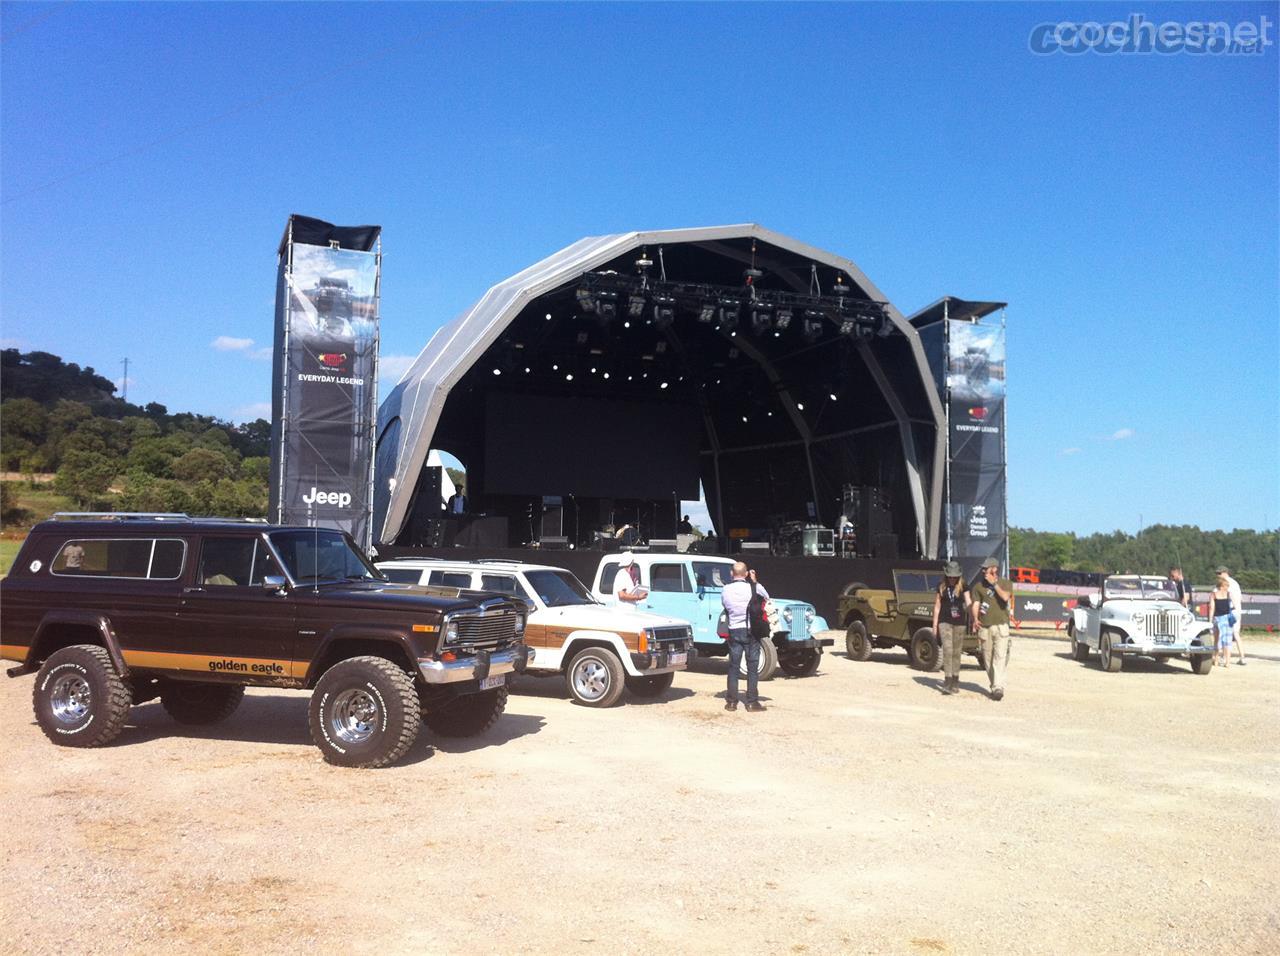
[[324, 400], [976, 520]]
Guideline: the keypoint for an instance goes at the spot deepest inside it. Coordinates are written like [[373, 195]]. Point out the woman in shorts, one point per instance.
[[1224, 621]]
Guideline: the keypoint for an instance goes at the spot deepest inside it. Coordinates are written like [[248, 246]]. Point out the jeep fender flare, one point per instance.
[[359, 632], [577, 640], [92, 619]]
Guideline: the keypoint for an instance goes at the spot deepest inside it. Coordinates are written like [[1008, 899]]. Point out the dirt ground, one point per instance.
[[864, 812]]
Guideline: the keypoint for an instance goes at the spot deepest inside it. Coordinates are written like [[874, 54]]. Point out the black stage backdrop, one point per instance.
[[612, 449], [325, 391]]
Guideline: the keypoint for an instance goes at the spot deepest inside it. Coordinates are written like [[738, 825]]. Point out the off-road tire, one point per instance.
[[655, 685], [1108, 660], [79, 699], [768, 661], [801, 663], [1202, 663], [851, 587], [469, 714], [595, 677], [1079, 650], [197, 703], [857, 642], [364, 713], [924, 651]]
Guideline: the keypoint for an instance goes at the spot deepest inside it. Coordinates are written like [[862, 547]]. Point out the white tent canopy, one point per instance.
[[409, 417]]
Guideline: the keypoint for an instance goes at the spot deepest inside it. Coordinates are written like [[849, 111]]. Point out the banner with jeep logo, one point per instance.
[[324, 400], [977, 526]]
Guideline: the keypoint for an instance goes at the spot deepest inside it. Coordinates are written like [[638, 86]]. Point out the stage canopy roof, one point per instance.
[[798, 373]]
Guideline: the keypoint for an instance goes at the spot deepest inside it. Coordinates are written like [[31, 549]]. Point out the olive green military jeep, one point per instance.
[[878, 618]]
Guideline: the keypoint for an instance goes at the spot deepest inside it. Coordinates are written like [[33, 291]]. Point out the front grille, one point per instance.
[[1159, 624], [799, 624], [485, 629], [669, 634]]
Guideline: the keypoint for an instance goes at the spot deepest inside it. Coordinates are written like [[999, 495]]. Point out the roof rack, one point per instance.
[[146, 516]]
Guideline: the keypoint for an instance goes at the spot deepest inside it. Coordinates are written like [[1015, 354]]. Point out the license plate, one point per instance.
[[680, 658], [489, 683]]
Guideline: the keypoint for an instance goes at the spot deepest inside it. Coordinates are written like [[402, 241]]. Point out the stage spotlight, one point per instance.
[[783, 319], [607, 305], [761, 319], [811, 327], [664, 311], [729, 314], [707, 314], [635, 306], [586, 302]]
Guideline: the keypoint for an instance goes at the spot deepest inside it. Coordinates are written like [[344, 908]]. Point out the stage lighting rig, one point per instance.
[[635, 305], [761, 318], [707, 314], [586, 301], [811, 325], [782, 320], [607, 304]]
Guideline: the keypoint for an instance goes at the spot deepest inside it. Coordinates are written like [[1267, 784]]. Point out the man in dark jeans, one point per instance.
[[735, 597]]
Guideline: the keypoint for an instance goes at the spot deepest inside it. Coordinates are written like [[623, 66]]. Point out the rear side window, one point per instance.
[[607, 575], [402, 575], [451, 579], [668, 577], [234, 562], [157, 559]]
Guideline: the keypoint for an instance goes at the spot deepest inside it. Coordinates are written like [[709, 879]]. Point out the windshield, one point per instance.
[[322, 556], [558, 588], [1141, 588], [712, 574]]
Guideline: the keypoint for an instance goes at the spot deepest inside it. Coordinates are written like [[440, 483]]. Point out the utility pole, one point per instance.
[[126, 378]]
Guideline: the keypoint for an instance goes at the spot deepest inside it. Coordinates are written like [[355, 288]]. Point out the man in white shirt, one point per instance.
[[1237, 605], [626, 583], [735, 597]]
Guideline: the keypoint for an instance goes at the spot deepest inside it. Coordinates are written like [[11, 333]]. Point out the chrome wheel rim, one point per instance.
[[71, 699], [591, 679], [1104, 651], [354, 717]]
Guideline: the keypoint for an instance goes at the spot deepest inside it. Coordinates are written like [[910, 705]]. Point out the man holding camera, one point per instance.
[[735, 597], [950, 622], [992, 610]]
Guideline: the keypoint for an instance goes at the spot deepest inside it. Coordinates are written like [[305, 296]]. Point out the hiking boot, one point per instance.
[[755, 707], [730, 705]]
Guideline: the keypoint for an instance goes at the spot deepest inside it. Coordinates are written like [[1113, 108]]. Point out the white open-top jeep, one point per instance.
[[1138, 615]]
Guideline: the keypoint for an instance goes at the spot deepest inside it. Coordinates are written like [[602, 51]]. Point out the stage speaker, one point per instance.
[[755, 546], [552, 517], [664, 545], [884, 546], [438, 533], [555, 542]]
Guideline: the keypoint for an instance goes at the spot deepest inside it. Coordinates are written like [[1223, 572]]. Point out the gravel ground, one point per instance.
[[864, 812]]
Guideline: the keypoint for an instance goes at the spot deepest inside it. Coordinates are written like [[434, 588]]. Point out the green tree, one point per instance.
[[203, 464], [85, 476], [256, 469]]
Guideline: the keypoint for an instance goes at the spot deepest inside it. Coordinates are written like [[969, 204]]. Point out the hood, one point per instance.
[[605, 618], [1122, 607], [380, 595]]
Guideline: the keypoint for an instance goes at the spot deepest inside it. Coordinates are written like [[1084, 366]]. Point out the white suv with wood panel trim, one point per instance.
[[600, 650]]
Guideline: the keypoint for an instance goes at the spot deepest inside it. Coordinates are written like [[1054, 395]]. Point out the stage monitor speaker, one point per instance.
[[755, 546], [664, 545], [884, 546], [552, 517], [554, 542]]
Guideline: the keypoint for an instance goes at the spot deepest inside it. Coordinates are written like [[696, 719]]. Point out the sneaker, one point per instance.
[[997, 693], [755, 707], [1240, 662], [731, 705]]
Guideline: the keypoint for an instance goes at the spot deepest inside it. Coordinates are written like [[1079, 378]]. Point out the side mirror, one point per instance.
[[273, 582]]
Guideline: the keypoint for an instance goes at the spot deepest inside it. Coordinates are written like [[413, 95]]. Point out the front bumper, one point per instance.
[[1151, 648], [483, 664], [666, 657], [807, 645]]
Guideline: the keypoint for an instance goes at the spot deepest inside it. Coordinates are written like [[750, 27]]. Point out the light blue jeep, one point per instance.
[[688, 586]]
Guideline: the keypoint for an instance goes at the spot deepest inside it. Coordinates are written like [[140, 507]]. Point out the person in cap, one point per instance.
[[626, 583], [950, 622], [992, 607], [1236, 597]]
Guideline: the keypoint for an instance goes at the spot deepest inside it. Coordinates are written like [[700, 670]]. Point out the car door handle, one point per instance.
[[193, 590]]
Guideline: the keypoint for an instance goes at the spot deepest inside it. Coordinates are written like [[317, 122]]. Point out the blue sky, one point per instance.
[[1125, 206]]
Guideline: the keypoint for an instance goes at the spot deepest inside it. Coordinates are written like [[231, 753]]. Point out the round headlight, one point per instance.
[[809, 615], [786, 615], [1139, 623]]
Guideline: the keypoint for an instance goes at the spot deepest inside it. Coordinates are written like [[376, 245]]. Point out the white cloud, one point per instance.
[[1070, 451], [227, 343], [249, 413], [262, 354], [1121, 434]]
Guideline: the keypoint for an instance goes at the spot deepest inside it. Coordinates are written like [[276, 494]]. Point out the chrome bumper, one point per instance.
[[1156, 649], [483, 664], [660, 660]]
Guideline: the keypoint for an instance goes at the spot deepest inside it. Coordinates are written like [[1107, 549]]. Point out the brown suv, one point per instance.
[[115, 610]]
